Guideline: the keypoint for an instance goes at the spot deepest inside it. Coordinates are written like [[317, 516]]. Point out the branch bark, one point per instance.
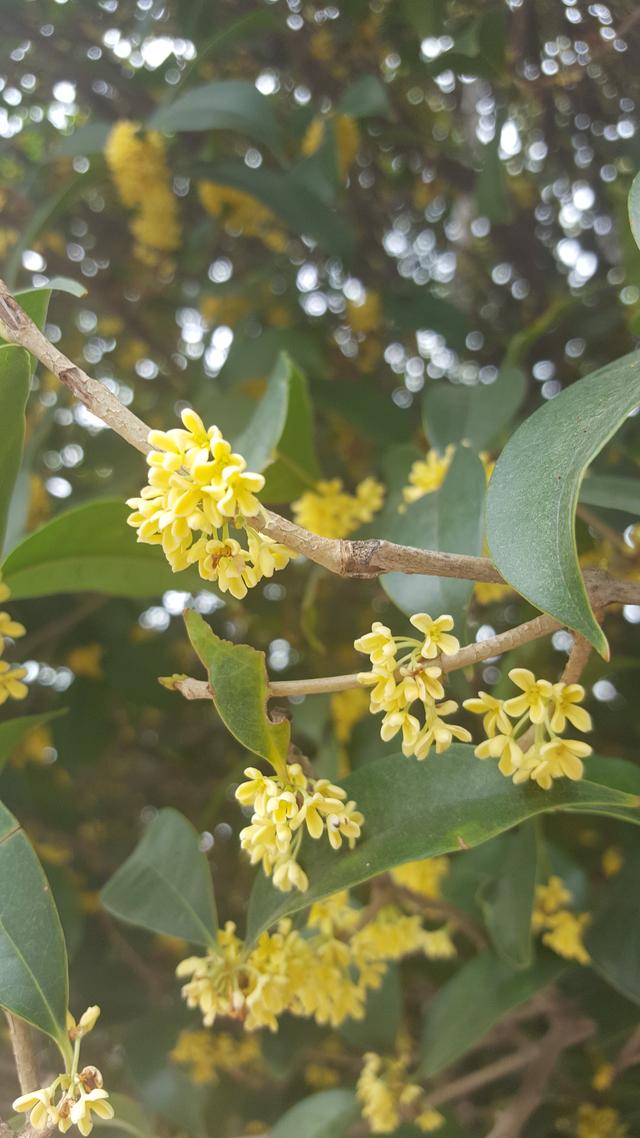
[[23, 1053]]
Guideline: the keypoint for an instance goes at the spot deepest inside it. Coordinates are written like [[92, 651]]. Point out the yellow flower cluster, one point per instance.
[[366, 315], [206, 1054], [562, 930], [285, 804], [387, 1096], [427, 474], [599, 1122], [240, 212], [11, 677], [72, 1098], [532, 748], [197, 485], [139, 170], [322, 972], [406, 683], [346, 134], [423, 877], [330, 511]]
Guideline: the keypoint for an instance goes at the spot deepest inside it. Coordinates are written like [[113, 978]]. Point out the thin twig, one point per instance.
[[561, 1035], [23, 1053], [577, 662]]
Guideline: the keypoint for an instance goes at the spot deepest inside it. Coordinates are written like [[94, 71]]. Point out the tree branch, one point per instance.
[[23, 1053]]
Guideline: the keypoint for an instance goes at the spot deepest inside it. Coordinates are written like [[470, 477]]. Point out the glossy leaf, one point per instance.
[[468, 1005], [279, 437], [323, 1115], [367, 96], [33, 958], [611, 492], [415, 810], [613, 941], [13, 731], [90, 138], [507, 899], [534, 489], [165, 885], [15, 384], [478, 414], [226, 104], [450, 520], [238, 678], [91, 548]]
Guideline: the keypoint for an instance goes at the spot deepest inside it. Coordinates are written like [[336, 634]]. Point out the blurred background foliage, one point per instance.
[[437, 194]]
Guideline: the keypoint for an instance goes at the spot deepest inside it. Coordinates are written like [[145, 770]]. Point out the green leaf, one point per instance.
[[15, 385], [91, 548], [491, 187], [613, 940], [468, 1005], [291, 200], [415, 810], [450, 520], [455, 413], [226, 104], [326, 1114], [68, 285], [533, 493], [280, 435], [13, 731], [33, 958], [90, 138], [507, 900], [611, 492], [367, 96], [165, 885], [634, 209], [238, 678], [410, 307], [378, 1029]]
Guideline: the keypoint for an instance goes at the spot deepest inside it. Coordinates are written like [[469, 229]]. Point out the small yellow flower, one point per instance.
[[564, 935], [612, 861], [437, 638], [603, 1077], [11, 685], [9, 627], [365, 315], [535, 698], [85, 660], [593, 1122], [330, 511], [428, 474], [423, 876], [565, 698], [495, 719]]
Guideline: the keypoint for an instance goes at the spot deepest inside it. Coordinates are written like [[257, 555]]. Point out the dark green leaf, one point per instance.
[[367, 96], [91, 548], [279, 437], [614, 939], [226, 104], [33, 958], [468, 1005], [238, 678], [15, 384], [299, 208], [378, 1030], [323, 1115], [411, 307], [415, 810], [507, 900], [450, 520], [165, 885], [455, 413], [533, 493], [611, 492], [13, 731]]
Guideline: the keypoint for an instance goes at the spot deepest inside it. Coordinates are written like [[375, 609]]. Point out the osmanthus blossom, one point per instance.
[[531, 749], [198, 491], [75, 1096], [406, 684]]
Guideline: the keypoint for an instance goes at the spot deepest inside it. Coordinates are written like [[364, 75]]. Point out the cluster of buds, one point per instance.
[[403, 682], [531, 747], [285, 804], [198, 490], [562, 930], [72, 1098]]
